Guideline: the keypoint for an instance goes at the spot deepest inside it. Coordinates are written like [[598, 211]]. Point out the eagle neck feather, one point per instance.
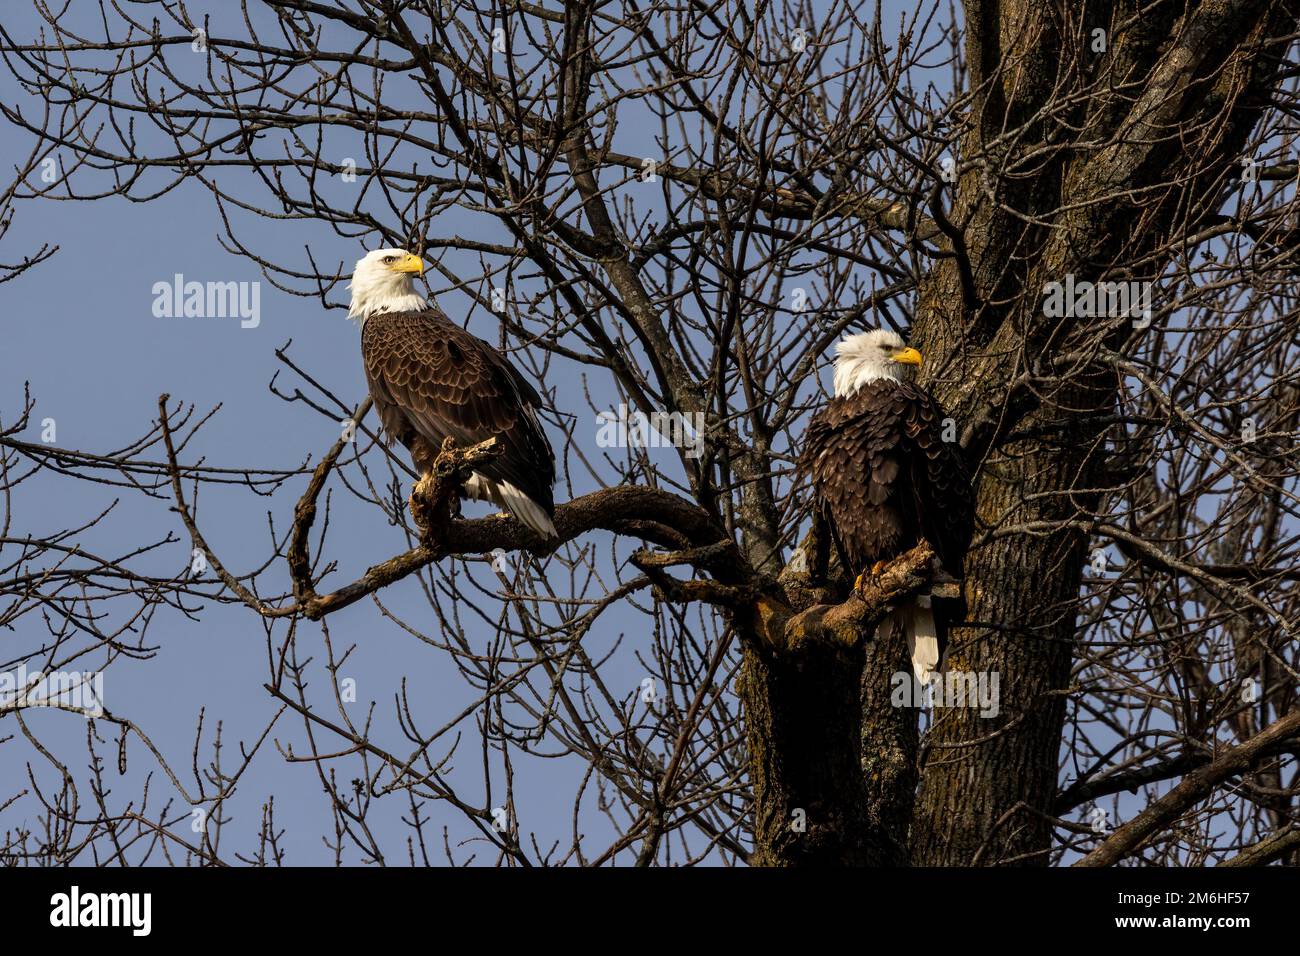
[[851, 376], [366, 304]]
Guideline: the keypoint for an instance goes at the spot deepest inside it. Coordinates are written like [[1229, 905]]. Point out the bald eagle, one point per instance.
[[884, 478], [430, 380]]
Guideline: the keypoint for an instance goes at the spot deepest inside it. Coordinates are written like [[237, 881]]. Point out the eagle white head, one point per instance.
[[870, 356], [384, 281]]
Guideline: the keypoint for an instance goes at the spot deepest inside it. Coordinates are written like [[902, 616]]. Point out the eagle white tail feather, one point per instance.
[[507, 496], [922, 638], [527, 510]]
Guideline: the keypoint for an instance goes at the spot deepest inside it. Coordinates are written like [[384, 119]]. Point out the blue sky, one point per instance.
[[80, 329]]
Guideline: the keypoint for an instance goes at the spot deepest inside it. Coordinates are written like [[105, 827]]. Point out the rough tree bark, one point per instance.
[[1148, 163]]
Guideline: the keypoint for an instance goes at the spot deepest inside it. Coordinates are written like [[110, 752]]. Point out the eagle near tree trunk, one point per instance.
[[432, 380], [884, 478]]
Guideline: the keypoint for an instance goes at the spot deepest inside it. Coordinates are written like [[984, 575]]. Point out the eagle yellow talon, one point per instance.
[[875, 571]]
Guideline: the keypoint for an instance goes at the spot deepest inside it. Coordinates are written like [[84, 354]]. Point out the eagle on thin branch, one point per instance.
[[884, 478], [431, 380]]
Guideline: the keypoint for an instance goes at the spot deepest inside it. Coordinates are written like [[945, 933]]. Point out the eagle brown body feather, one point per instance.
[[884, 478], [430, 380]]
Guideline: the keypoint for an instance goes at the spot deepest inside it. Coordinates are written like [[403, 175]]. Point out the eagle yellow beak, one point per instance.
[[907, 357], [410, 263]]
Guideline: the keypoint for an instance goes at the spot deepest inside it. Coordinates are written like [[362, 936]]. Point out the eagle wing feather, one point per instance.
[[430, 380], [883, 476]]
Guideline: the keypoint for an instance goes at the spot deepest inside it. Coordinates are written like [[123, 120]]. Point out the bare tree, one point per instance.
[[1083, 213]]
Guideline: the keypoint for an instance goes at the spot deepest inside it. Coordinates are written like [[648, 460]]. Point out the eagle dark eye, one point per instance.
[[388, 259]]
